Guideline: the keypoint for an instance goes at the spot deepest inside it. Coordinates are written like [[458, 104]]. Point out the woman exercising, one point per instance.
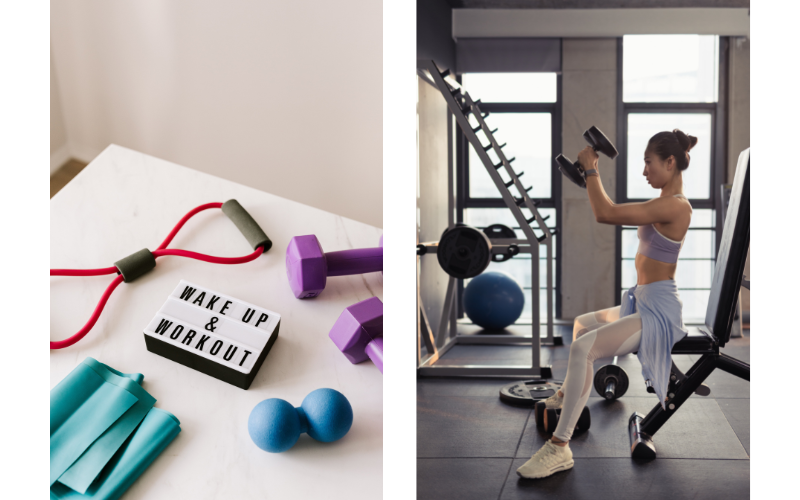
[[649, 320]]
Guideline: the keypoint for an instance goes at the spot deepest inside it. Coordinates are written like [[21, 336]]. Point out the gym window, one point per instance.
[[670, 68], [525, 108], [668, 82]]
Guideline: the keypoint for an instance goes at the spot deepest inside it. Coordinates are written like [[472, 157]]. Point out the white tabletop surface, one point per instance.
[[125, 201]]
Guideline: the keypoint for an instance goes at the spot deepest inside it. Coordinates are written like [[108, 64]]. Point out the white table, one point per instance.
[[125, 201]]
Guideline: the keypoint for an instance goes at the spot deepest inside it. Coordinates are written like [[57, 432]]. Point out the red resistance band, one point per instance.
[[161, 251]]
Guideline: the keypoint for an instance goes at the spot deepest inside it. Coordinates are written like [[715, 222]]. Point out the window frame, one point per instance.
[[719, 133], [465, 201]]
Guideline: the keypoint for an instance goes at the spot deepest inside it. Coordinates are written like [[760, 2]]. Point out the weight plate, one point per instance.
[[528, 392], [464, 252], [499, 231], [611, 372], [598, 139], [570, 171], [496, 231]]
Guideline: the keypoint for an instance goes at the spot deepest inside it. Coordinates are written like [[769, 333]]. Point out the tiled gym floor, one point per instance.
[[469, 444]]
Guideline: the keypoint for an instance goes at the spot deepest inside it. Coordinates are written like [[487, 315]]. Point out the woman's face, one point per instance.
[[658, 172]]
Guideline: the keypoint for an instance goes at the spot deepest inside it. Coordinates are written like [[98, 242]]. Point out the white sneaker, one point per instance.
[[550, 459], [554, 402]]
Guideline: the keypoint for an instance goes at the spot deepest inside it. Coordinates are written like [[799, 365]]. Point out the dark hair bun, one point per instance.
[[687, 142]]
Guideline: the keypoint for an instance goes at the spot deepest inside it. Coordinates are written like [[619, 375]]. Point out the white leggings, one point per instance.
[[596, 335]]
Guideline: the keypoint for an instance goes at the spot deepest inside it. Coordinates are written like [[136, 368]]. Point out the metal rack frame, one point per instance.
[[437, 343]]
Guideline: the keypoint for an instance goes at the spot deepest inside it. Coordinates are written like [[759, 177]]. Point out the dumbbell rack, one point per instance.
[[462, 106]]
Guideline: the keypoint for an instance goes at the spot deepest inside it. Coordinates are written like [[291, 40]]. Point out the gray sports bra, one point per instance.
[[658, 247]]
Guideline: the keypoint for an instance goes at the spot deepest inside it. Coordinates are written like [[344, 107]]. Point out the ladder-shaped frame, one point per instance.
[[462, 105]]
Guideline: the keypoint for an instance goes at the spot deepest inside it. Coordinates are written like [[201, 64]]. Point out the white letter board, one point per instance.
[[213, 333]]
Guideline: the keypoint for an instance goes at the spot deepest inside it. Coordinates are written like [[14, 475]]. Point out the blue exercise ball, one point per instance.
[[329, 415], [274, 425], [493, 300]]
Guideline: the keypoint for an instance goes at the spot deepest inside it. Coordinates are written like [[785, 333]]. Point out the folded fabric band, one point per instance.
[[81, 474], [156, 431], [94, 414], [82, 407]]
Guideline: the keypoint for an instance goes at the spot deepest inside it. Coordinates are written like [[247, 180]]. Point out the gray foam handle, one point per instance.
[[247, 225], [136, 264]]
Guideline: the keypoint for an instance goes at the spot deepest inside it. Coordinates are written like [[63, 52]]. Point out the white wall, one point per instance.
[[283, 96], [59, 151], [432, 196]]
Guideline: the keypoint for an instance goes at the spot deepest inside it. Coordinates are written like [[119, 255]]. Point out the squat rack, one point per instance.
[[445, 337]]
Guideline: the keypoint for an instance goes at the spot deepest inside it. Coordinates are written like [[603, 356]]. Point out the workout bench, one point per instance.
[[718, 322]]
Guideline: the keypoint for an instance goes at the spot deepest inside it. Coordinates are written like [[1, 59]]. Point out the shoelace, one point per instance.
[[160, 252], [547, 454]]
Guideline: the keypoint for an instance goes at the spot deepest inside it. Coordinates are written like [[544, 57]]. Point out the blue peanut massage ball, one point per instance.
[[275, 425], [493, 300]]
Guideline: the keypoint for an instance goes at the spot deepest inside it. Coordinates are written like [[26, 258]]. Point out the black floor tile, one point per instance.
[[453, 386], [743, 341], [703, 450], [624, 478], [737, 411], [461, 478], [699, 429], [742, 353], [459, 426], [725, 385]]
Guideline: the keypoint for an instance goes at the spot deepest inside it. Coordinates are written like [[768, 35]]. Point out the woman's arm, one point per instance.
[[661, 210]]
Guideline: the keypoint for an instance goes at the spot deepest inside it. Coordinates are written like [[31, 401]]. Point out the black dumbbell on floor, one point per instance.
[[550, 418], [599, 142], [539, 409]]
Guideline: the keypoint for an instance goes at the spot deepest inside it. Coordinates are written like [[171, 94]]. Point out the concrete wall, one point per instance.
[[599, 23], [434, 28], [432, 193], [739, 119], [59, 152], [285, 97], [589, 80]]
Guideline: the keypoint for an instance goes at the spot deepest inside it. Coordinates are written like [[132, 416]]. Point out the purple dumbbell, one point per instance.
[[358, 332], [308, 267]]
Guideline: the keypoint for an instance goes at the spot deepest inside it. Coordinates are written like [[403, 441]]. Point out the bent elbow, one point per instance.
[[605, 215]]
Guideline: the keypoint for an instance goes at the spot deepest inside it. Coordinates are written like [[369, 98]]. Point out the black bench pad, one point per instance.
[[697, 342]]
